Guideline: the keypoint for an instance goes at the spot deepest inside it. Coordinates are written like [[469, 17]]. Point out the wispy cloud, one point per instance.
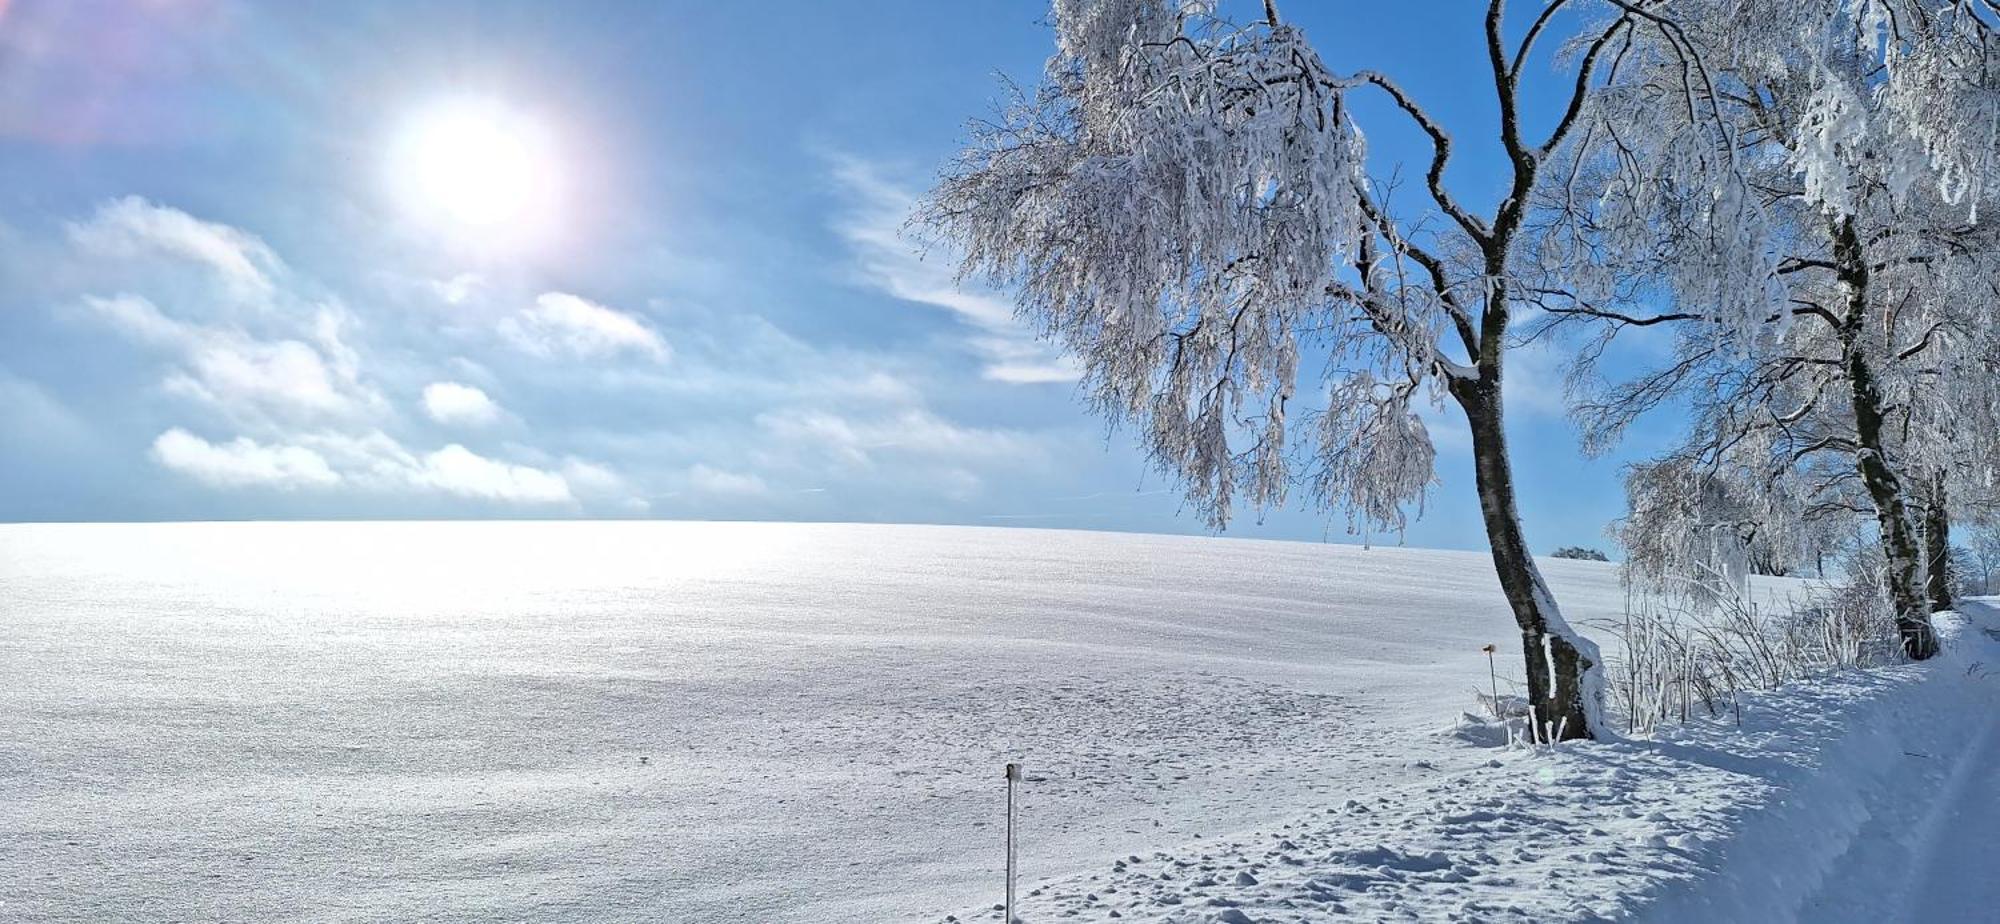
[[715, 482], [560, 323], [872, 228], [300, 395], [133, 227], [32, 417], [1536, 380], [911, 432], [242, 375], [456, 290], [291, 384]]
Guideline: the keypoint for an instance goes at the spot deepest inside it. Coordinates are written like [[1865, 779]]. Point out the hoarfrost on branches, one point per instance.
[[1848, 120], [1172, 205], [1183, 203]]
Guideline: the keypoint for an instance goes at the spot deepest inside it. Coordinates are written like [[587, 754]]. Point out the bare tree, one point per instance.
[[1186, 205]]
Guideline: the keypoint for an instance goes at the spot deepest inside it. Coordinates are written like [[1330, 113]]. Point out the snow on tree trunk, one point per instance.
[[1185, 204], [1565, 681], [1900, 552]]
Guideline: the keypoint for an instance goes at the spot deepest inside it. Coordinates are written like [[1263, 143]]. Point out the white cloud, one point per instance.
[[874, 231], [242, 462], [459, 404], [376, 461], [460, 471], [131, 227], [1536, 380], [923, 432], [591, 478], [244, 376], [1022, 362], [592, 482], [285, 376], [138, 318], [290, 378], [558, 322], [458, 289], [913, 432], [715, 482], [818, 431], [371, 462]]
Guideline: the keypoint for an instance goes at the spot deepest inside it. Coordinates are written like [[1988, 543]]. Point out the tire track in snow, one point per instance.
[[1954, 871]]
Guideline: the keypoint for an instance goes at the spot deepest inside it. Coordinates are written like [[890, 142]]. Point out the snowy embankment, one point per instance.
[[1869, 796], [775, 723]]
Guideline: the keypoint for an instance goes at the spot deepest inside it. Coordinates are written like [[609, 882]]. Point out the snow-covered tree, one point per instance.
[[1185, 203], [1578, 553], [1812, 202], [1699, 526], [1985, 554]]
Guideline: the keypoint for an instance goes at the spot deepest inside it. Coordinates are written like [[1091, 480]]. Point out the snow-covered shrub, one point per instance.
[[1683, 656], [1852, 621]]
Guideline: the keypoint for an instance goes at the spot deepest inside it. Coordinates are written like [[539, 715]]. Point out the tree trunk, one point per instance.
[[1899, 543], [1937, 546], [1562, 685]]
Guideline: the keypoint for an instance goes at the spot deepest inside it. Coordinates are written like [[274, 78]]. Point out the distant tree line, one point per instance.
[[1580, 553]]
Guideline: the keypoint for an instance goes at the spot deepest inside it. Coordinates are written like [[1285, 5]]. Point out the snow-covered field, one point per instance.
[[779, 723]]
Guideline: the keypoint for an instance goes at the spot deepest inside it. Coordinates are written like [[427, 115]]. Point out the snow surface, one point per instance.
[[781, 722]]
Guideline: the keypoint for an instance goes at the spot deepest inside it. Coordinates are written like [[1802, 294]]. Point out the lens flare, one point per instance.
[[479, 173]]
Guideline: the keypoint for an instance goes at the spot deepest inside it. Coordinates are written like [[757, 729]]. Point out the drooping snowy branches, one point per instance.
[[1173, 204], [1186, 205], [1862, 287]]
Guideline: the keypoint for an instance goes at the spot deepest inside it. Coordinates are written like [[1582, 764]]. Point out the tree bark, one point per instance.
[[1937, 545], [1903, 561], [1550, 651]]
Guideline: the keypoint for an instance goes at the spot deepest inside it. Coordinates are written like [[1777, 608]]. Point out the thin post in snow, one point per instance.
[[1013, 776], [1493, 678]]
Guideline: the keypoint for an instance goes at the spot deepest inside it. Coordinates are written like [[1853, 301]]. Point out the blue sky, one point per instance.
[[218, 301]]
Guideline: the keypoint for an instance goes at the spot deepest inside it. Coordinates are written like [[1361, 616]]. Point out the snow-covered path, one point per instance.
[[1883, 816], [1957, 876]]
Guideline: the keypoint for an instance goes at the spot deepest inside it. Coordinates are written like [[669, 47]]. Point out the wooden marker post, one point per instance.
[[1493, 677], [1013, 776]]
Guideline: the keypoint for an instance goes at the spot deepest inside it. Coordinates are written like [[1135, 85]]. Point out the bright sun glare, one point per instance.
[[484, 175]]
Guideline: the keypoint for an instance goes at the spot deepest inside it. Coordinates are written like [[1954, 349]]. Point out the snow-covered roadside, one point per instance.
[[1925, 848], [1844, 799]]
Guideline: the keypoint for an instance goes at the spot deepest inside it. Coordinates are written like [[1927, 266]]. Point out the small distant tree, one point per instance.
[[1579, 553], [1964, 571], [1985, 557]]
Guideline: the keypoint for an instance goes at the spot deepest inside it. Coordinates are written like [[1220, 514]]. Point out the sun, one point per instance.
[[483, 174]]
